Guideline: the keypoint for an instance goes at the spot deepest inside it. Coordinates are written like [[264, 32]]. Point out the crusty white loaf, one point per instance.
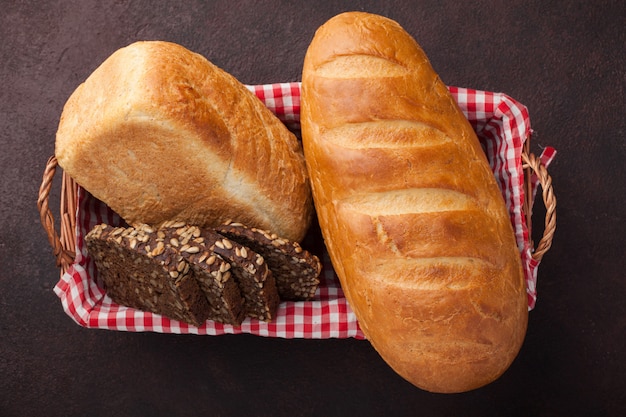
[[159, 133], [413, 219]]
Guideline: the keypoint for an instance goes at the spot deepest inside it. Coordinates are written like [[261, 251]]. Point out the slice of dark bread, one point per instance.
[[295, 270], [220, 287], [140, 270], [255, 280]]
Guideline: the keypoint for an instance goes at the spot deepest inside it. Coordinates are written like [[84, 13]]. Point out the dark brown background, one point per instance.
[[563, 59]]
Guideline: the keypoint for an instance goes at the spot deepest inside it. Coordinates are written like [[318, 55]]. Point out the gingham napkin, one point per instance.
[[502, 125]]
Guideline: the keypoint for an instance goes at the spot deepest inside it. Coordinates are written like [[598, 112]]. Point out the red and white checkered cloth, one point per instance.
[[502, 124]]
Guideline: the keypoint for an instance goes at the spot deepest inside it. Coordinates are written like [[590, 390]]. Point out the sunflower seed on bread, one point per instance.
[[214, 276], [295, 270], [254, 278], [141, 271], [211, 271]]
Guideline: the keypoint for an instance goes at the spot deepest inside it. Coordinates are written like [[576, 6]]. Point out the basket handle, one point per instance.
[[531, 163], [63, 243]]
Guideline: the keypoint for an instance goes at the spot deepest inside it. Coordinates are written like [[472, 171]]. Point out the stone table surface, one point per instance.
[[564, 60]]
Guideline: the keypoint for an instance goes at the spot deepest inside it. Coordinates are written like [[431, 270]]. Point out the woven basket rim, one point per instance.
[[63, 243]]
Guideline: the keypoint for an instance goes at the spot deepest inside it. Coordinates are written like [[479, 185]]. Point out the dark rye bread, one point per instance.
[[220, 287], [211, 271], [255, 280], [295, 270], [139, 270]]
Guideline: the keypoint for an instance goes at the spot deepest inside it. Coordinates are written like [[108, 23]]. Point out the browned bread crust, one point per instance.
[[159, 133], [414, 222]]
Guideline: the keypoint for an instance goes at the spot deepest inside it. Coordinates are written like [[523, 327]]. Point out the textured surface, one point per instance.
[[255, 280], [560, 58], [155, 106], [140, 271], [410, 210], [295, 270]]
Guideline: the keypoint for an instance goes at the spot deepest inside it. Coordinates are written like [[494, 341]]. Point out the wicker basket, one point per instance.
[[282, 99], [64, 242]]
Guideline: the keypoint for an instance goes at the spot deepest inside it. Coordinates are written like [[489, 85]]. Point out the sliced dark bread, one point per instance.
[[140, 270], [295, 270], [255, 280], [220, 287]]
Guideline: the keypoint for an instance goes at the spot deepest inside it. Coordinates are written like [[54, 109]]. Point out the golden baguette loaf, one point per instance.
[[414, 222], [160, 134]]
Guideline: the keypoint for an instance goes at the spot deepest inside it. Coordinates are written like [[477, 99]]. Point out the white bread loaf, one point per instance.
[[159, 133], [415, 224]]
